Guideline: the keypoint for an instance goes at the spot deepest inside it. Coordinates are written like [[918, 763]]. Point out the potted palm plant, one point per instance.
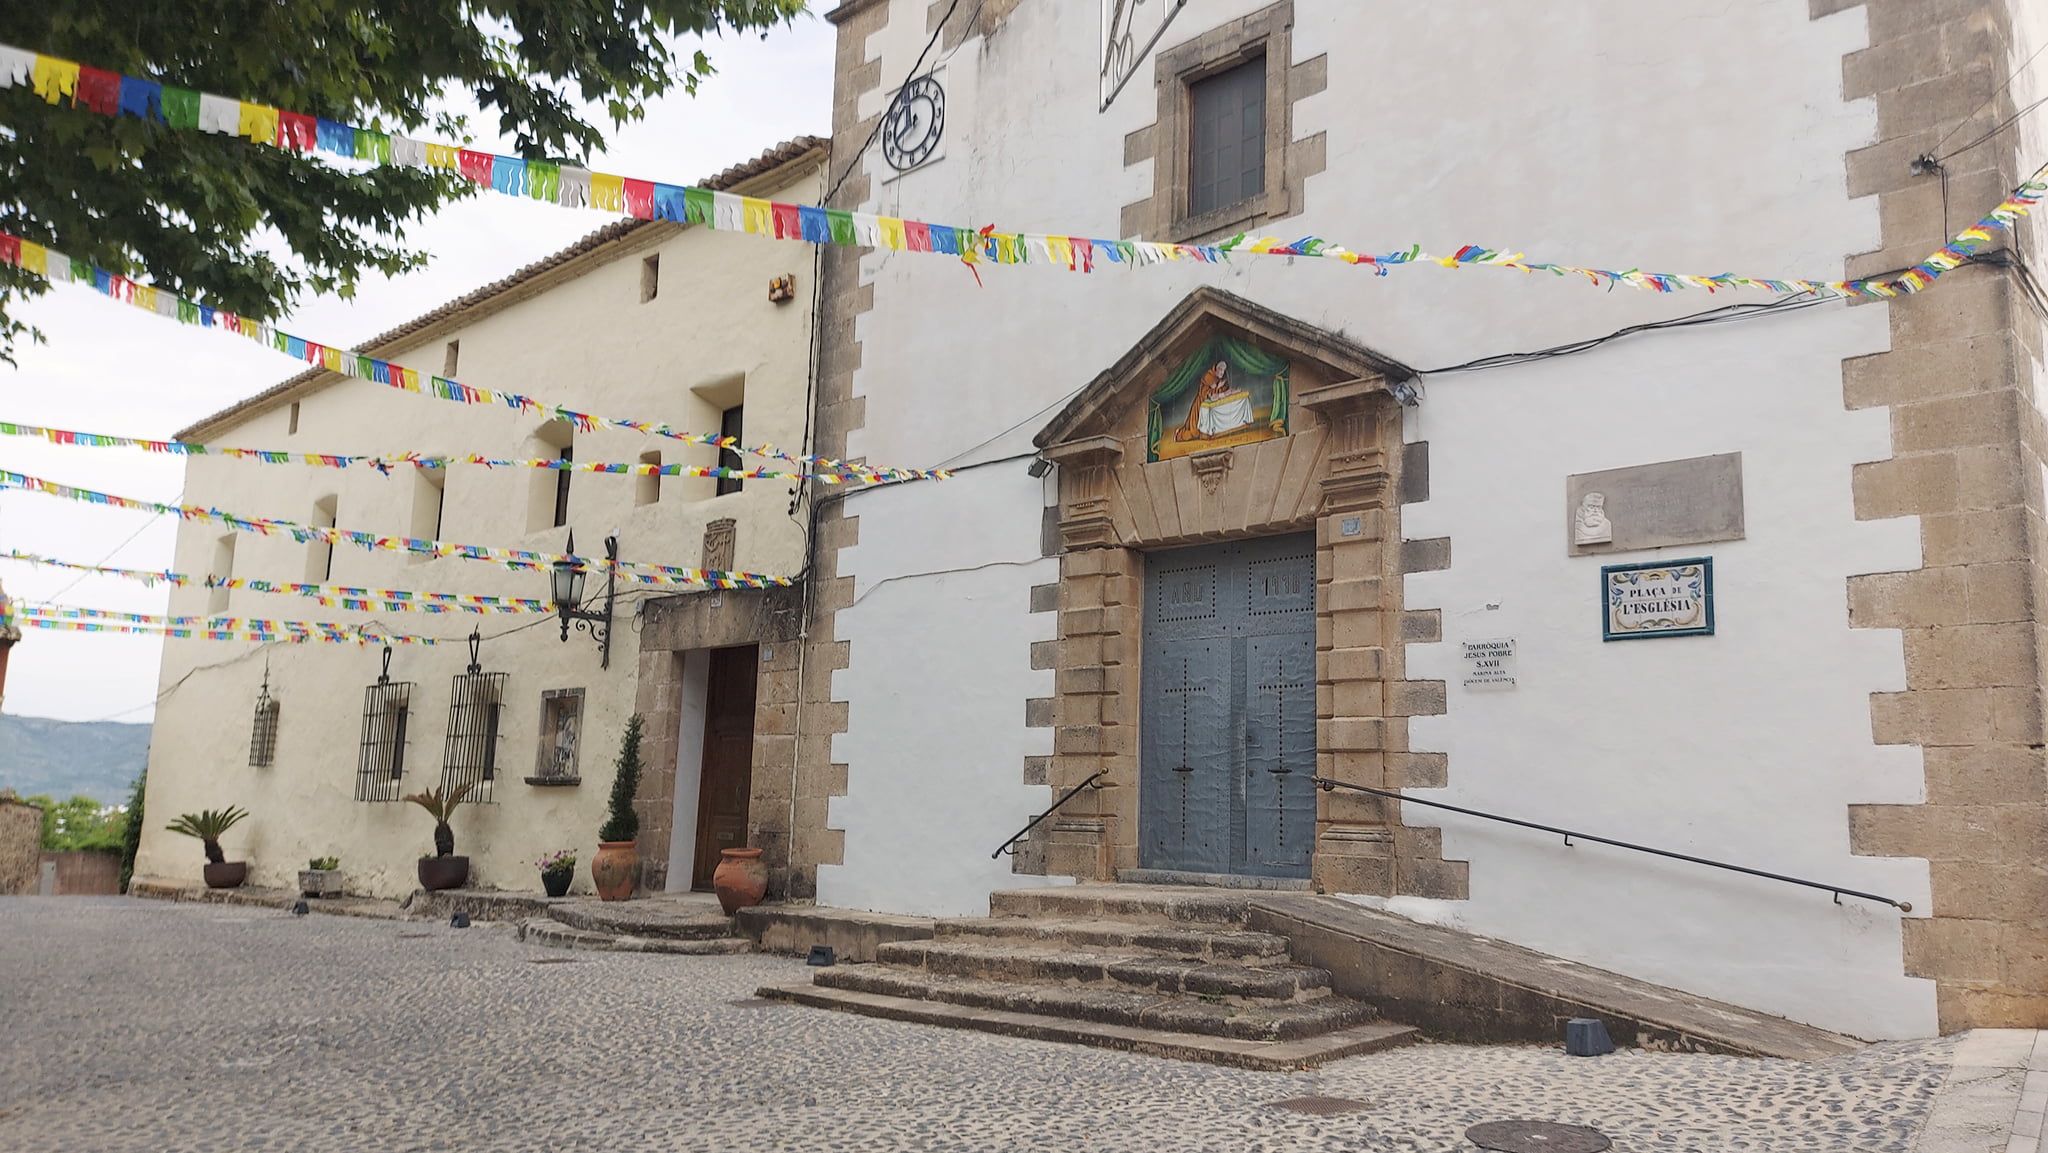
[[443, 870], [210, 825], [321, 877], [616, 867]]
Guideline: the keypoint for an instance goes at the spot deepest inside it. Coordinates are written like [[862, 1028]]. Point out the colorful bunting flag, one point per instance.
[[18, 252], [385, 464], [518, 559], [55, 80]]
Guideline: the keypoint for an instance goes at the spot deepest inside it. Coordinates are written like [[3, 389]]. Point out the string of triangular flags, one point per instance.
[[215, 623], [56, 266], [232, 629], [113, 94], [385, 464], [332, 596], [518, 559]]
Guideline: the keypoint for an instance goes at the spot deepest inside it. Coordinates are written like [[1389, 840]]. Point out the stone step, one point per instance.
[[1024, 964], [1263, 1056], [553, 933], [1107, 1005], [674, 921], [1141, 904], [1220, 944]]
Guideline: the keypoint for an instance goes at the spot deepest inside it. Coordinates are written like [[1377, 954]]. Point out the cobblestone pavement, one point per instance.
[[137, 1025]]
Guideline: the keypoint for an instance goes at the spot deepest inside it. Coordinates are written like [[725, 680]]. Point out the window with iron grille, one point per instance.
[[263, 736], [476, 700], [387, 706]]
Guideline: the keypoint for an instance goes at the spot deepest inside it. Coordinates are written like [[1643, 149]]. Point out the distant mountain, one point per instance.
[[62, 759]]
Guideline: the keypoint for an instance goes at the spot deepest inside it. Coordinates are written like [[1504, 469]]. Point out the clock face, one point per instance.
[[916, 118]]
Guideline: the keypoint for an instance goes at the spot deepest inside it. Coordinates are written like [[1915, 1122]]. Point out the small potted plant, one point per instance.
[[616, 867], [557, 869], [210, 825], [321, 877], [443, 870]]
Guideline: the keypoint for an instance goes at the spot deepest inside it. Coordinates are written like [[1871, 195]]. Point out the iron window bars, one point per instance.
[[387, 706], [476, 701]]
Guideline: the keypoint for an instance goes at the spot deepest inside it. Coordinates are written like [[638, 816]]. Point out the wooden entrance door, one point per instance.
[[1228, 733], [728, 772]]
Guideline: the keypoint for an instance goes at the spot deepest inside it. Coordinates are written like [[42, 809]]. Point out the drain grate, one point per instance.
[[1537, 1137], [551, 960], [414, 936], [1321, 1106], [753, 1003]]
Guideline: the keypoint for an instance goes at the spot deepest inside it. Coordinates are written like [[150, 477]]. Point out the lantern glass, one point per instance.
[[568, 586]]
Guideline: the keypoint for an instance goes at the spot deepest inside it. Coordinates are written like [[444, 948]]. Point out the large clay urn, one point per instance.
[[615, 869], [740, 881], [227, 875]]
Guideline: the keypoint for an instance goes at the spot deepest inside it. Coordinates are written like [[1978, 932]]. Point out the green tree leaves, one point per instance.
[[193, 212]]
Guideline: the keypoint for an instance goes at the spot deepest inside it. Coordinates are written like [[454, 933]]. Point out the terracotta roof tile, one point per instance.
[[768, 161]]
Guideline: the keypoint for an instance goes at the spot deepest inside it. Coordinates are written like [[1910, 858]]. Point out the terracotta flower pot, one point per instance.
[[615, 869], [740, 881], [443, 872], [228, 875], [557, 882]]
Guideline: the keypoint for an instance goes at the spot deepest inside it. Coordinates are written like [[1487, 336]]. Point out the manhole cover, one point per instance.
[[753, 1003], [551, 960], [1321, 1106], [414, 936], [1537, 1137]]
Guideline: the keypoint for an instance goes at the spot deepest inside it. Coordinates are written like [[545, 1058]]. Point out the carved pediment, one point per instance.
[[1217, 372]]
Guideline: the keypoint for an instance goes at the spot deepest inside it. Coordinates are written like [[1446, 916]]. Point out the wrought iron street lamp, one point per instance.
[[568, 596]]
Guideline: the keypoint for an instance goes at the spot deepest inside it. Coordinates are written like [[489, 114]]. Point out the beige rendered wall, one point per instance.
[[578, 336]]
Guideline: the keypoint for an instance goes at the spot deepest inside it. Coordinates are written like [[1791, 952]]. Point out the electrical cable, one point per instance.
[[2008, 122], [1988, 99], [1722, 315], [854, 161]]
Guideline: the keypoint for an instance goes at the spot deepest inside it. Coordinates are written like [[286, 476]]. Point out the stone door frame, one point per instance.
[[1334, 475]]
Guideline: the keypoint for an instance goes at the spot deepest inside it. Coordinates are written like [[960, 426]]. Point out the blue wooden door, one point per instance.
[[1227, 736]]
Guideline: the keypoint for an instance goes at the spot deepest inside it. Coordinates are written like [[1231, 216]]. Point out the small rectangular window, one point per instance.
[[567, 456], [1227, 145], [293, 428], [561, 721], [647, 487], [224, 568], [319, 553], [731, 423], [448, 358], [428, 498], [650, 278]]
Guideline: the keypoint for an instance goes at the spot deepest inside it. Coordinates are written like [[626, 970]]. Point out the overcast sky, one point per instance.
[[112, 369]]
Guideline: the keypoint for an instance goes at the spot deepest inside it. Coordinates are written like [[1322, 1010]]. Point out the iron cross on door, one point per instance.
[[1228, 733]]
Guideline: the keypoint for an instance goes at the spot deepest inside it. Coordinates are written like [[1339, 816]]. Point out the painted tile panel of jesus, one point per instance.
[[1228, 393]]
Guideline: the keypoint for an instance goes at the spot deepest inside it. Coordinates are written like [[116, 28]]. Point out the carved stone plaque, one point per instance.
[[1646, 506]]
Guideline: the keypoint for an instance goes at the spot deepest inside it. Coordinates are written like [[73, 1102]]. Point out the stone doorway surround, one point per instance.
[[673, 626], [1335, 474]]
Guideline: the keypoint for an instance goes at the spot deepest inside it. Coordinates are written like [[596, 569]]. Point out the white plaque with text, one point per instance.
[[1489, 664]]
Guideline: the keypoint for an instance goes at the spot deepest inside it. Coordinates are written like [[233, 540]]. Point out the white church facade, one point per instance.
[[1750, 585]]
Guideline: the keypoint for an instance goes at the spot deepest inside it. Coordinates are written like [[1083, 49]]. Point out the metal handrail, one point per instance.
[[1010, 846], [1839, 892]]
